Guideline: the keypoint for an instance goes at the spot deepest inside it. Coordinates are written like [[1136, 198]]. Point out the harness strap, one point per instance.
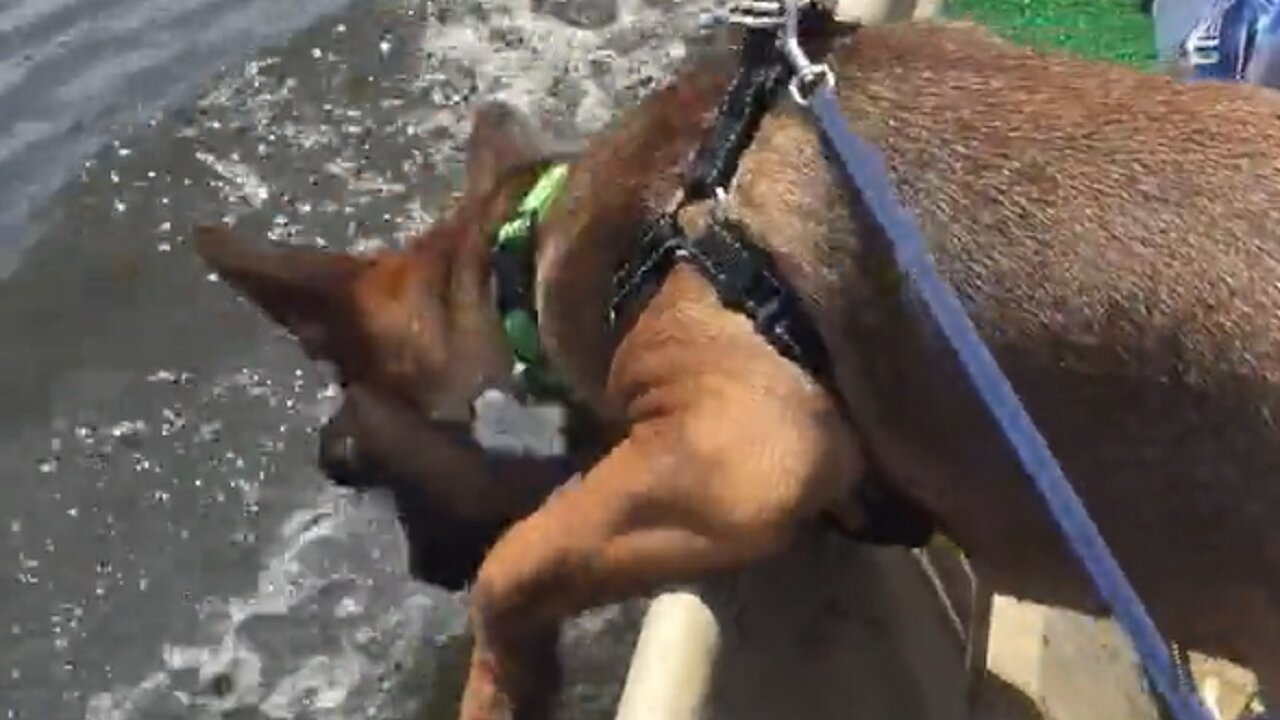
[[746, 281], [743, 277], [762, 73]]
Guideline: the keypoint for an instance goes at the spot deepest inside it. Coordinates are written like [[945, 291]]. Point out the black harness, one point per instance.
[[744, 275]]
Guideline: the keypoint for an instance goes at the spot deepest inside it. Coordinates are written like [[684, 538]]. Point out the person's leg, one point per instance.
[[1264, 67]]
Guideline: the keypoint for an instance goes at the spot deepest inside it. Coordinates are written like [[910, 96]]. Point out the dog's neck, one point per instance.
[[628, 175]]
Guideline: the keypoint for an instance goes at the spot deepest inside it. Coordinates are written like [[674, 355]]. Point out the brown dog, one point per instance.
[[1109, 232]]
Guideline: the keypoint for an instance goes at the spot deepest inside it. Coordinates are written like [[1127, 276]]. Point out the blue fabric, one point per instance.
[[1234, 41], [864, 169]]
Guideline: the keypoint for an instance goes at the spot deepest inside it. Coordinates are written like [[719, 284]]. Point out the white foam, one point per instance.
[[285, 581], [243, 182], [319, 686], [232, 673], [526, 74], [127, 703]]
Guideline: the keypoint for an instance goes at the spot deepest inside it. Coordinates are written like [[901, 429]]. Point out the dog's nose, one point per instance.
[[340, 457]]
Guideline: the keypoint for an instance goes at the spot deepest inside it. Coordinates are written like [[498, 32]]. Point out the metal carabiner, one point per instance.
[[809, 76]]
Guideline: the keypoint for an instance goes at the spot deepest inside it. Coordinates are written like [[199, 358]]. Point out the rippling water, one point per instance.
[[169, 549], [74, 71]]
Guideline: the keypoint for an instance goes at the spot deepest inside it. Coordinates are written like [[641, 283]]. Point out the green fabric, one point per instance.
[[1115, 30], [520, 327], [517, 232], [522, 335]]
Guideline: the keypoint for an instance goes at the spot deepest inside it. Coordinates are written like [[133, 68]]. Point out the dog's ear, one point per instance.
[[310, 292], [503, 139]]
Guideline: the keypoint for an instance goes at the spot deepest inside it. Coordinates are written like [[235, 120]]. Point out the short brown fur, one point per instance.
[[1110, 234]]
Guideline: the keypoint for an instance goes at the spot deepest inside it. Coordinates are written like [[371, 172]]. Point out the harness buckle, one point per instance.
[[808, 81], [809, 76]]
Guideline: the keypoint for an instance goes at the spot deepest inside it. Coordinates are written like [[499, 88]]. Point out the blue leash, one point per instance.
[[863, 168]]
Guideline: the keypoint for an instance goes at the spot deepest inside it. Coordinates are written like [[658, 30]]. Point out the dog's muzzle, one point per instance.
[[340, 456]]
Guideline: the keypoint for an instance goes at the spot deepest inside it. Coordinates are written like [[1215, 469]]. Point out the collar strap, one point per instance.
[[763, 72], [514, 248], [519, 230]]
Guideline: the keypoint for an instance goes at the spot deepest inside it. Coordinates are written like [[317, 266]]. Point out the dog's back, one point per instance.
[[1110, 233]]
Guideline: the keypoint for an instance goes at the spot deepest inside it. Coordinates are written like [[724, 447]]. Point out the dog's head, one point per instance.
[[413, 334]]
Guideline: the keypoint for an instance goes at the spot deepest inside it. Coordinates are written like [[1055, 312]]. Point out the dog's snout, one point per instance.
[[340, 456]]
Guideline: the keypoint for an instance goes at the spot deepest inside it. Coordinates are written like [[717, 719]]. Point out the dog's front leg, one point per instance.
[[622, 531], [721, 463]]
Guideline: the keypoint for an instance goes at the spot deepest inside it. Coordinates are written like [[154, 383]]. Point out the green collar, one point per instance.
[[514, 247]]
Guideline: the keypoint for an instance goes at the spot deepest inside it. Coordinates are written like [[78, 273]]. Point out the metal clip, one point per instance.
[[783, 15], [809, 76], [720, 204]]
